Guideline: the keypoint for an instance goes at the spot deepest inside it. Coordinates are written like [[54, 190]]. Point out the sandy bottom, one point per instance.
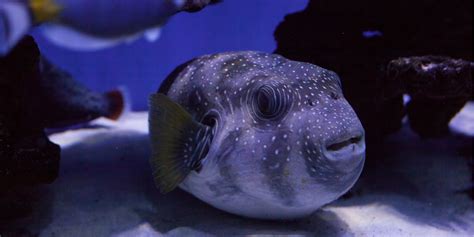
[[105, 189]]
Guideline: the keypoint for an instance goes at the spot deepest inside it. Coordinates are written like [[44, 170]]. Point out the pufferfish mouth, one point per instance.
[[348, 152], [351, 142]]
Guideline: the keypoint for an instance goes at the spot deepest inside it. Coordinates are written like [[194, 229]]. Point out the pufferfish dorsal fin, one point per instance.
[[178, 142]]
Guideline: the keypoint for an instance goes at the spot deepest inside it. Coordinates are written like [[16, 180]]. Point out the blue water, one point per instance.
[[141, 66]]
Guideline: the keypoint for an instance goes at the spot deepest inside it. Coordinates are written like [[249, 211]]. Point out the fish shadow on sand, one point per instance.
[[421, 179], [107, 176], [418, 179], [105, 188], [179, 209], [114, 174]]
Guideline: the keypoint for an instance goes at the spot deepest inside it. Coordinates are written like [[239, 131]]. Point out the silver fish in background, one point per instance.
[[255, 134], [88, 24]]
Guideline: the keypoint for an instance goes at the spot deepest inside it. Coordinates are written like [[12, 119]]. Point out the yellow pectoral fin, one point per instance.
[[44, 10]]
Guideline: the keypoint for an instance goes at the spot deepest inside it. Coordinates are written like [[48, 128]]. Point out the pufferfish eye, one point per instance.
[[270, 103]]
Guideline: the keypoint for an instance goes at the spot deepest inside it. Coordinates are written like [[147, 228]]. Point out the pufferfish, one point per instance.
[[88, 24], [255, 134]]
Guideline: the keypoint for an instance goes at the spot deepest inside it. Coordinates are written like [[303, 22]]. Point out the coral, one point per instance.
[[438, 87], [27, 157]]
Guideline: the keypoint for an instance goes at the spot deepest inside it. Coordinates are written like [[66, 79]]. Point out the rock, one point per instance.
[[34, 95], [439, 87], [27, 157], [358, 39]]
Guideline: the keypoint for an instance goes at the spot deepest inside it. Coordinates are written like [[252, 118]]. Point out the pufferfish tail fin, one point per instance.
[[18, 17], [179, 143]]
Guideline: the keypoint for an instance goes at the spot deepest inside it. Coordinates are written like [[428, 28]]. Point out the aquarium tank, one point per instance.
[[236, 118]]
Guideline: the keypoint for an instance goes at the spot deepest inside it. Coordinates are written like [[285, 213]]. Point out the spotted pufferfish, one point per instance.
[[255, 134]]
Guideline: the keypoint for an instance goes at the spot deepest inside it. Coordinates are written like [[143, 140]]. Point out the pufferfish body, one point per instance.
[[255, 134]]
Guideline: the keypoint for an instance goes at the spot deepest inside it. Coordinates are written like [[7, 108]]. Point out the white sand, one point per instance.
[[105, 189]]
